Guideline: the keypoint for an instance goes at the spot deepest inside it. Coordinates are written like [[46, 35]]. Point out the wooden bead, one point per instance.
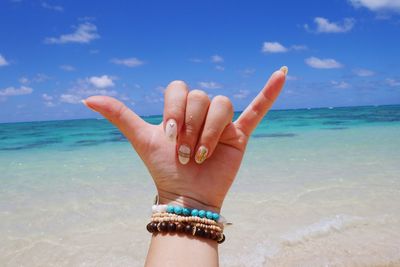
[[180, 227], [188, 229], [221, 240], [163, 226], [199, 232], [206, 233], [171, 227], [218, 236], [213, 235], [154, 227], [149, 228]]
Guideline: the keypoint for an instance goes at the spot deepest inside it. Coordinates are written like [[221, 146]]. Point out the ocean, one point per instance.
[[317, 187]]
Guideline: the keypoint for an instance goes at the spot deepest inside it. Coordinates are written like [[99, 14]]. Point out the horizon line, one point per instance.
[[158, 115]]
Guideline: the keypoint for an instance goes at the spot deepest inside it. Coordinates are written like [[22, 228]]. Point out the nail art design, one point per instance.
[[184, 154], [171, 129], [285, 70], [201, 154]]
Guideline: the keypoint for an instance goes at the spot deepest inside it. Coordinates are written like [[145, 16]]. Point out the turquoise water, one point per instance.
[[75, 134], [317, 187]]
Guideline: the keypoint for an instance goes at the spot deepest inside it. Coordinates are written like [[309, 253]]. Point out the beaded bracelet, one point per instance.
[[189, 212], [172, 227], [181, 218], [214, 227]]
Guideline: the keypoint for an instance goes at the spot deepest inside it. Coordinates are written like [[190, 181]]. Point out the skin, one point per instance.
[[200, 121]]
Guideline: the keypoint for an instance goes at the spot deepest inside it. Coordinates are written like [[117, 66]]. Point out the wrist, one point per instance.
[[170, 198]]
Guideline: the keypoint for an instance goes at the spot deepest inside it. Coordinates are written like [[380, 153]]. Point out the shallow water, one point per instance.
[[317, 187]]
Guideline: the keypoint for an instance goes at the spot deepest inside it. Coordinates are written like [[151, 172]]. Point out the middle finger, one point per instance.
[[195, 114]]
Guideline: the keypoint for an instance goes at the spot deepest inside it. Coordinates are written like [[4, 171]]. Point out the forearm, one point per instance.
[[181, 250]]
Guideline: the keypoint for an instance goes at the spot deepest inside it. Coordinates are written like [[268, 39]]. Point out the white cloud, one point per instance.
[[84, 33], [392, 82], [128, 62], [327, 63], [340, 85], [71, 99], [101, 81], [241, 94], [220, 68], [3, 61], [276, 47], [24, 80], [48, 100], [47, 97], [68, 68], [377, 5], [363, 72], [38, 78], [84, 88], [217, 59], [273, 47], [325, 26], [52, 7], [12, 91], [210, 85]]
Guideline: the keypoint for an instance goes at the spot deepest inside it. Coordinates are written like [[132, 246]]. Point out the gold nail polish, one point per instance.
[[284, 69], [201, 154]]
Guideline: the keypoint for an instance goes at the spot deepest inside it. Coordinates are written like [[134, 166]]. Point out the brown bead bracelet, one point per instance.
[[176, 219], [194, 230]]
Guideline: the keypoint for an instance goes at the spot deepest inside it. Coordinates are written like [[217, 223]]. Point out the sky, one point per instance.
[[54, 53]]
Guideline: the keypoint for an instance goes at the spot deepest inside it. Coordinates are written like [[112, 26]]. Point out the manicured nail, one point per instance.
[[284, 69], [86, 104], [201, 154], [171, 129], [184, 154]]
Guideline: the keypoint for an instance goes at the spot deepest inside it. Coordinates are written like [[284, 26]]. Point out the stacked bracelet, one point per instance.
[[183, 220]]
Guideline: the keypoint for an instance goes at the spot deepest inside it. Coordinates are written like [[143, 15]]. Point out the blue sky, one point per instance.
[[54, 53]]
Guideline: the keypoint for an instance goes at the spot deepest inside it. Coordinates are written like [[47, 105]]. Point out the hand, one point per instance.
[[196, 178]]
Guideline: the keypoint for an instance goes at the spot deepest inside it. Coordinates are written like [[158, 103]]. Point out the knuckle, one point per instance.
[[190, 128], [117, 113], [198, 95], [224, 102]]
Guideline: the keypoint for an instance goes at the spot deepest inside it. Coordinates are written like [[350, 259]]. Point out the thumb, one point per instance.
[[130, 124]]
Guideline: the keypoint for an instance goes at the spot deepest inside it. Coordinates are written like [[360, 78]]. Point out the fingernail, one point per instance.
[[201, 154], [86, 104], [171, 129], [284, 69], [184, 154]]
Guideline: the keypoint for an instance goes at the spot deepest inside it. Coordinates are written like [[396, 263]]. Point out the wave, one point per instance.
[[323, 228]]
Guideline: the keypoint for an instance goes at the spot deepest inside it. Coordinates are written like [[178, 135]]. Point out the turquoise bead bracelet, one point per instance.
[[179, 210], [193, 212]]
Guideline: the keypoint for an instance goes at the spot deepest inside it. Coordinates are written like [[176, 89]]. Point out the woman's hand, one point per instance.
[[198, 169]]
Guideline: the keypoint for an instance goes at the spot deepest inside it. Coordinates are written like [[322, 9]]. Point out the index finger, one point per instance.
[[261, 104]]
